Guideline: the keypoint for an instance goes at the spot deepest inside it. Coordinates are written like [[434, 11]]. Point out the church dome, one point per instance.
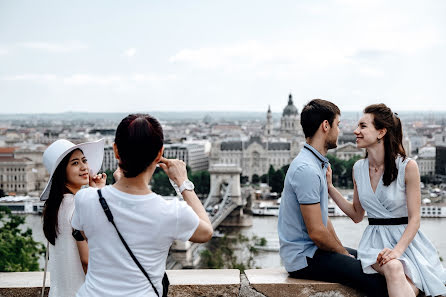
[[290, 109]]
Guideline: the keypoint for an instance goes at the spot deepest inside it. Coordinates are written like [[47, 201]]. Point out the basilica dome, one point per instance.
[[290, 109]]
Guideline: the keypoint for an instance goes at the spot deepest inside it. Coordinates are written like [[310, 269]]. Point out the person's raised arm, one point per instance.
[[176, 171], [352, 209]]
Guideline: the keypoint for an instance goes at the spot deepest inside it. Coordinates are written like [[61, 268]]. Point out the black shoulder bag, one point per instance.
[[109, 215]]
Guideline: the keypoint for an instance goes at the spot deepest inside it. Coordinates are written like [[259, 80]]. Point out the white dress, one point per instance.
[[420, 260], [66, 273]]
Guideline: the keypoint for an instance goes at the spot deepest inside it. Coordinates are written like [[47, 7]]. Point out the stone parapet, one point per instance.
[[209, 282]]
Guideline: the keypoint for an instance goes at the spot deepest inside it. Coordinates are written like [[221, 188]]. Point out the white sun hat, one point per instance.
[[53, 155]]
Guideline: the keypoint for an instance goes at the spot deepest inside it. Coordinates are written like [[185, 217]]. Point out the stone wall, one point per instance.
[[210, 283]]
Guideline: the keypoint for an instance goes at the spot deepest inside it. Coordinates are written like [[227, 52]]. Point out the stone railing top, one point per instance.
[[272, 282]]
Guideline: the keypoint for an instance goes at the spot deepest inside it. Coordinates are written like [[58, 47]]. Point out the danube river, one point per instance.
[[348, 232]]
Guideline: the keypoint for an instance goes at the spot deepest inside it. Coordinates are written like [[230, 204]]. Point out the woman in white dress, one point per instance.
[[69, 171], [387, 186]]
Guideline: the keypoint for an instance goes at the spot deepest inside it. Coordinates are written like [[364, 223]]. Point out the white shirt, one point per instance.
[[65, 266], [149, 225]]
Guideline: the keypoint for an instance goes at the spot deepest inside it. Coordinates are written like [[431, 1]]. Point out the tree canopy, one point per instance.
[[18, 250]]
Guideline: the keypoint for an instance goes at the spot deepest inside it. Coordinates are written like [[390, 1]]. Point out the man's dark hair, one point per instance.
[[314, 113]]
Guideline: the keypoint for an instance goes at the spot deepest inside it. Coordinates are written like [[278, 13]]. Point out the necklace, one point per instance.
[[376, 168]]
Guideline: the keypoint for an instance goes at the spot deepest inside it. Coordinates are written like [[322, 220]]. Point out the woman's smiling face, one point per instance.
[[366, 133], [77, 170]]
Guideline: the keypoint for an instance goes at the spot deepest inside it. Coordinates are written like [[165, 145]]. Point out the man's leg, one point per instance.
[[338, 268]]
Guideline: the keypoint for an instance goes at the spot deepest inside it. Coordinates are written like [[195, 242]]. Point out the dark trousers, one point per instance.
[[338, 268]]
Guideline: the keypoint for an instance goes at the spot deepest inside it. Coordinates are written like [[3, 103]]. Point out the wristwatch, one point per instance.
[[187, 185]]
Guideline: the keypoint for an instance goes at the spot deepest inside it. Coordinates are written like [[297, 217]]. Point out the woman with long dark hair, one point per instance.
[[71, 167], [147, 223], [387, 186]]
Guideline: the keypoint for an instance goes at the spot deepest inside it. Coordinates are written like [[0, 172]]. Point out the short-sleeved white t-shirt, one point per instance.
[[149, 225]]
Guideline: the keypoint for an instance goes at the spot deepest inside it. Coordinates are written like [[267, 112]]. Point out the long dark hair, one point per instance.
[[383, 117], [139, 138], [55, 197]]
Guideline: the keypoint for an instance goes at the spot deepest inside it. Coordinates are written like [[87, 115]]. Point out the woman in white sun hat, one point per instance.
[[71, 167]]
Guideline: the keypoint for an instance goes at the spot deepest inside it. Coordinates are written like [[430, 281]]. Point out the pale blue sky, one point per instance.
[[129, 56]]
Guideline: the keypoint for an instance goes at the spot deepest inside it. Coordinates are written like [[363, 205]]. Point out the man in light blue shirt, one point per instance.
[[309, 246]]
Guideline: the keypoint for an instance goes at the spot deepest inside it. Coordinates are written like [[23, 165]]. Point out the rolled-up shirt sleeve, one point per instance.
[[306, 185]]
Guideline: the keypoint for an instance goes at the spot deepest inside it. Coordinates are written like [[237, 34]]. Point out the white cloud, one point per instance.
[[30, 77], [3, 51], [130, 52], [91, 79], [253, 53], [371, 71], [55, 47]]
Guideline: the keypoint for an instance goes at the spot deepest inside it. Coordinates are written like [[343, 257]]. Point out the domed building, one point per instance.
[[290, 121]]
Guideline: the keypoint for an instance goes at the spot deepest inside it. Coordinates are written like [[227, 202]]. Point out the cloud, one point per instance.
[[30, 77], [3, 51], [130, 52], [55, 47], [91, 79]]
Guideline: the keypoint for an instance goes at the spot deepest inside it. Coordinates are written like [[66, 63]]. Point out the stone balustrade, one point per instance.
[[272, 282]]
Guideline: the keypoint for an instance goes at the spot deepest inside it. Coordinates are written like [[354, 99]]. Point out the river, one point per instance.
[[348, 232]]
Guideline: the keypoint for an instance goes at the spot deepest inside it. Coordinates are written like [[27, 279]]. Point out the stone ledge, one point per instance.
[[274, 282], [209, 282]]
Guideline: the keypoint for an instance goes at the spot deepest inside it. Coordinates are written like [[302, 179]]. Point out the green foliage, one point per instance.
[[276, 181], [275, 178], [202, 181], [243, 179], [255, 179], [110, 179], [261, 241], [342, 170], [2, 193], [220, 253], [18, 250], [161, 184]]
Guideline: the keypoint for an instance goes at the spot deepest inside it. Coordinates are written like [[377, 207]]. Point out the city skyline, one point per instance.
[[108, 56]]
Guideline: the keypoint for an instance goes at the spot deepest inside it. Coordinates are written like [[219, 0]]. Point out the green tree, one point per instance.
[[202, 181], [110, 179], [285, 168], [243, 179], [220, 253], [2, 193], [342, 170], [255, 178], [18, 250], [161, 184], [276, 181], [264, 178]]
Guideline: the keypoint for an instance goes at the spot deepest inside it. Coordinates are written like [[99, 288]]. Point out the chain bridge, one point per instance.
[[224, 206]]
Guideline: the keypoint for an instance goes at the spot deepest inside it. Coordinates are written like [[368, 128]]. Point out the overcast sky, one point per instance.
[[126, 56]]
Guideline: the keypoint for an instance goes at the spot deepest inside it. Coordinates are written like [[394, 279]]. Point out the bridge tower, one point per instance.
[[224, 205]]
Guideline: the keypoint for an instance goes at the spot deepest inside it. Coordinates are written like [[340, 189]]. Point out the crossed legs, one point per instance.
[[398, 284], [334, 267]]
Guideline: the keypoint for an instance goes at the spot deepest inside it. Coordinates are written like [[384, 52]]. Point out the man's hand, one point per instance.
[[98, 181]]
